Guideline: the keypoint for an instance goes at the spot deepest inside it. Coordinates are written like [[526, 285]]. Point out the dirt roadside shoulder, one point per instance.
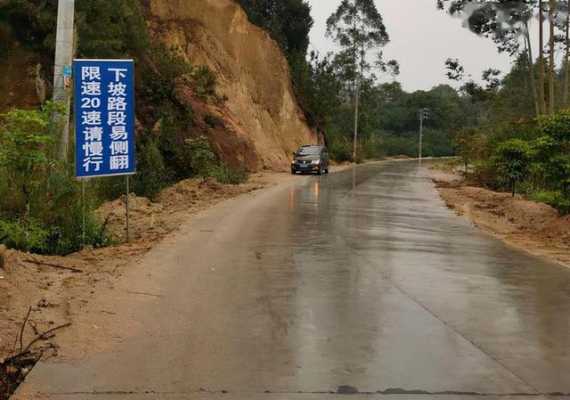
[[41, 296], [58, 290], [535, 228]]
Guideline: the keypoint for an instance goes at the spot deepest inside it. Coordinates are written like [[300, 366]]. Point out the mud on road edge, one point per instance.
[[532, 227]]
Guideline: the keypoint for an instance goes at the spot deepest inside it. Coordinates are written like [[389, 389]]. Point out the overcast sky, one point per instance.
[[422, 38]]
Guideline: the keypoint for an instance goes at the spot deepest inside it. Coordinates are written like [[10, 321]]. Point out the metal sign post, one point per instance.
[[105, 120], [83, 212], [127, 208]]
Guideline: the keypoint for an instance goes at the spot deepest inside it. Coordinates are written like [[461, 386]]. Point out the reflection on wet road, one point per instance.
[[354, 282]]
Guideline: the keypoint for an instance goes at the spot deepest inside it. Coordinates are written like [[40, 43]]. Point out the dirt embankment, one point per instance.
[[534, 227], [257, 123], [260, 122]]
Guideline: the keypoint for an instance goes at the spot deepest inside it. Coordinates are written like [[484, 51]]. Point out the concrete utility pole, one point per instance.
[[424, 114], [63, 58], [356, 111]]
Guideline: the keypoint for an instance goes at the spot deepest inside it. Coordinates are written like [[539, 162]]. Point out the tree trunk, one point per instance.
[[551, 66], [566, 63], [541, 72], [531, 71]]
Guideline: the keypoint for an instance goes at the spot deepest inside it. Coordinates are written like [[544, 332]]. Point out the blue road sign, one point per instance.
[[104, 118]]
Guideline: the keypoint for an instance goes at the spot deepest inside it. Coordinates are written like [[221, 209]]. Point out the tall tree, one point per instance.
[[531, 71], [288, 21], [552, 49], [505, 22], [565, 27], [541, 66], [357, 26]]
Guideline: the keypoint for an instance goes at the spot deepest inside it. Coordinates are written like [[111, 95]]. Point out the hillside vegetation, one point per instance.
[[519, 135], [199, 114]]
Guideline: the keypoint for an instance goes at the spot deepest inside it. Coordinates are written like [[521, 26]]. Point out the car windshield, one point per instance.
[[309, 151]]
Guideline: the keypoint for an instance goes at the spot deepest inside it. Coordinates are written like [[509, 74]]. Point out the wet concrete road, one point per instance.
[[358, 281]]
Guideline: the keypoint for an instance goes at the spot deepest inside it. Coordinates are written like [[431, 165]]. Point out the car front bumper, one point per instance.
[[305, 168]]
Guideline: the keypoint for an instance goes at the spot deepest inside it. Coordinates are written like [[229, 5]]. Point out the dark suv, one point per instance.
[[311, 159]]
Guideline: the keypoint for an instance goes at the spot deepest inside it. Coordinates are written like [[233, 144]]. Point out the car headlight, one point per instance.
[[316, 162]]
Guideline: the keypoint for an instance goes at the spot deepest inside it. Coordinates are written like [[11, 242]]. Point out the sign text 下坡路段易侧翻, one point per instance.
[[104, 118]]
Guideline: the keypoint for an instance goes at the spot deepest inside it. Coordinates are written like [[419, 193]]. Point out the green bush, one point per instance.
[[202, 158], [40, 202], [531, 157], [558, 170], [471, 145], [484, 173], [513, 158], [24, 235], [340, 149], [38, 237], [554, 199], [556, 126], [25, 148], [400, 145], [66, 236], [229, 176], [152, 174], [204, 82], [372, 148], [205, 164], [436, 143]]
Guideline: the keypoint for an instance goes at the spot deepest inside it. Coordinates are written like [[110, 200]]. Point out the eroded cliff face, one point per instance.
[[261, 122], [257, 125]]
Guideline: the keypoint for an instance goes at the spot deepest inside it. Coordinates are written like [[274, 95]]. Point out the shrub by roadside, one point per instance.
[[41, 208], [530, 158]]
